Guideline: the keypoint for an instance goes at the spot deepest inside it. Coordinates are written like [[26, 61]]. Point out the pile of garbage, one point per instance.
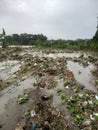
[[41, 115]]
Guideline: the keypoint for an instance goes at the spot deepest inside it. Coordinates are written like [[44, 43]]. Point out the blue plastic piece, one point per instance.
[[34, 127]]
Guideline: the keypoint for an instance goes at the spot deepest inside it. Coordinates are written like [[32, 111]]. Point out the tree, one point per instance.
[[96, 34], [2, 37]]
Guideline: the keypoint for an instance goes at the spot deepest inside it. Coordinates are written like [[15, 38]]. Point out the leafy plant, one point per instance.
[[63, 98], [22, 100], [59, 91]]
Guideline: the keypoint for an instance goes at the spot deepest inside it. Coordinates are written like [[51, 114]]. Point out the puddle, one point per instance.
[[10, 112], [8, 68], [13, 91], [7, 64], [53, 91], [21, 46], [53, 55], [82, 74], [29, 52], [56, 55]]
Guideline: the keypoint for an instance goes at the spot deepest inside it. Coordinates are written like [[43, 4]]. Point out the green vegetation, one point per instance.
[[22, 100], [39, 40], [2, 38], [25, 39]]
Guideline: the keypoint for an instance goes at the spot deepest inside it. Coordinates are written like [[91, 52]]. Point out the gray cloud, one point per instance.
[[67, 19]]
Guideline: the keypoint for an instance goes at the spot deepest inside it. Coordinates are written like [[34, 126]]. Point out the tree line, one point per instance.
[[40, 40], [25, 39]]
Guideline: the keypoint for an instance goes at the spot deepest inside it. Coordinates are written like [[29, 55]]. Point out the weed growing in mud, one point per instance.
[[22, 99], [80, 103], [81, 106], [69, 82], [59, 91]]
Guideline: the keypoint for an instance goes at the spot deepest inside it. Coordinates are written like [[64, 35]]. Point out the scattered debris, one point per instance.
[[33, 113], [40, 111]]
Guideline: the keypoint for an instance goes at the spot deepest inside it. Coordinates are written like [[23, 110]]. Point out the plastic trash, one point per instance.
[[96, 97], [33, 113], [96, 115], [34, 126]]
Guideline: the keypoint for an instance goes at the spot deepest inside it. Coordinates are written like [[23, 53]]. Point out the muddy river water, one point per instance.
[[9, 95], [82, 74]]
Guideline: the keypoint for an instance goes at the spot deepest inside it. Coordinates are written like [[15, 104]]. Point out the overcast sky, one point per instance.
[[66, 19]]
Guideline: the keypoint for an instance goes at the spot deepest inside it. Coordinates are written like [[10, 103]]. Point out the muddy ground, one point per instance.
[[48, 89]]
